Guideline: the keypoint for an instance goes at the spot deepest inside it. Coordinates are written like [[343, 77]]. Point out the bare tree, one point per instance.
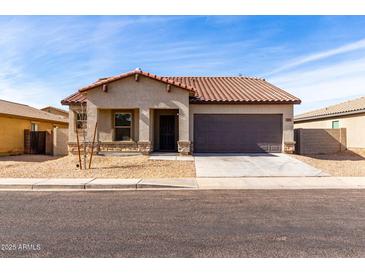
[[81, 126]]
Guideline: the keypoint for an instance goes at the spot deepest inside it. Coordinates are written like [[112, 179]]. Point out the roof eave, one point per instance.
[[197, 101], [337, 114], [146, 74], [65, 103], [35, 118], [69, 103]]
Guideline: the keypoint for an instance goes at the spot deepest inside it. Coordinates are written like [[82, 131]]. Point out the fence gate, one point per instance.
[[38, 142]]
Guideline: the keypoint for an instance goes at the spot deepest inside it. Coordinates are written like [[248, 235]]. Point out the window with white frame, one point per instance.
[[34, 127], [81, 120], [123, 126], [336, 124]]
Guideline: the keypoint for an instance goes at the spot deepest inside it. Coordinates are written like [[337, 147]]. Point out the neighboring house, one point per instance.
[[140, 111], [349, 115], [56, 111], [15, 118]]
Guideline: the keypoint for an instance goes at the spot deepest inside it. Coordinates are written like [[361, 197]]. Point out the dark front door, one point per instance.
[[38, 142], [167, 133], [237, 132]]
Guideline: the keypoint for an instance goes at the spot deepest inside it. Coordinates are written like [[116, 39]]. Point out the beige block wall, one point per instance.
[[60, 140], [285, 110], [320, 141], [144, 95], [354, 124], [12, 132]]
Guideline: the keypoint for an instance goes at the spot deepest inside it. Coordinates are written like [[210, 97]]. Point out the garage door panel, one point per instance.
[[237, 132]]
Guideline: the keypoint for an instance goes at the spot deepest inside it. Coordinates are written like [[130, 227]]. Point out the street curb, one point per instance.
[[112, 184], [94, 184], [243, 183], [60, 183], [183, 183]]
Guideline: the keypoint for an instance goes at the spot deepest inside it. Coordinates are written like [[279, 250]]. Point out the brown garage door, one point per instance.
[[237, 132]]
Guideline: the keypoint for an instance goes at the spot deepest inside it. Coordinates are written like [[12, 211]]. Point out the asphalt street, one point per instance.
[[214, 223]]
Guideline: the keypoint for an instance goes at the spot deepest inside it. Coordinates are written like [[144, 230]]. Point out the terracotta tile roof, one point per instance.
[[103, 81], [345, 108], [16, 109], [75, 98], [209, 89], [236, 90]]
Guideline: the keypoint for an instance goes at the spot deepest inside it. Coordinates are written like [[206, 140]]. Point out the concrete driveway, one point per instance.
[[252, 165]]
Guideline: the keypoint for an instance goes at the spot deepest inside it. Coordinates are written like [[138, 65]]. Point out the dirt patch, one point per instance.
[[346, 163], [34, 166]]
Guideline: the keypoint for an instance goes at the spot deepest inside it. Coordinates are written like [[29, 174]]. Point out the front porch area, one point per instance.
[[136, 130]]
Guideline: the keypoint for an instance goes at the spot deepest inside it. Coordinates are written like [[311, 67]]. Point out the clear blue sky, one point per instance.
[[317, 58]]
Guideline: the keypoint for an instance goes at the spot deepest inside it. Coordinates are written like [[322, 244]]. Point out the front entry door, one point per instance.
[[167, 133]]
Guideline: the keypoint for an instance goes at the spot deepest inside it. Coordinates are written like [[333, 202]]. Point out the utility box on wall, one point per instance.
[[320, 141]]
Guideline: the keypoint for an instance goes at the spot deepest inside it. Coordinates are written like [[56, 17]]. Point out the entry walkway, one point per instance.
[[170, 156]]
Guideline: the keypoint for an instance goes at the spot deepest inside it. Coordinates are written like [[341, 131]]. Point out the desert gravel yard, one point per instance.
[[347, 163], [42, 166]]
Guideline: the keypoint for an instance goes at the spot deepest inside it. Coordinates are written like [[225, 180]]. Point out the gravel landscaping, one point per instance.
[[347, 163], [42, 166]]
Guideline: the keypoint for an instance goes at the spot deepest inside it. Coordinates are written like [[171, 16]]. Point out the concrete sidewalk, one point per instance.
[[31, 184]]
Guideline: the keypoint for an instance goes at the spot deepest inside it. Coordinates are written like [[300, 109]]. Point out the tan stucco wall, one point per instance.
[[12, 132], [73, 109], [106, 123], [355, 125], [144, 95], [285, 110]]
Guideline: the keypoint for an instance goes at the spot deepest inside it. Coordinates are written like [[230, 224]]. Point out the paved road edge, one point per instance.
[[99, 184]]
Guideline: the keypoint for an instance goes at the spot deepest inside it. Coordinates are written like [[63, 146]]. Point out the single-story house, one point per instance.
[[56, 111], [140, 111], [15, 118], [349, 115]]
